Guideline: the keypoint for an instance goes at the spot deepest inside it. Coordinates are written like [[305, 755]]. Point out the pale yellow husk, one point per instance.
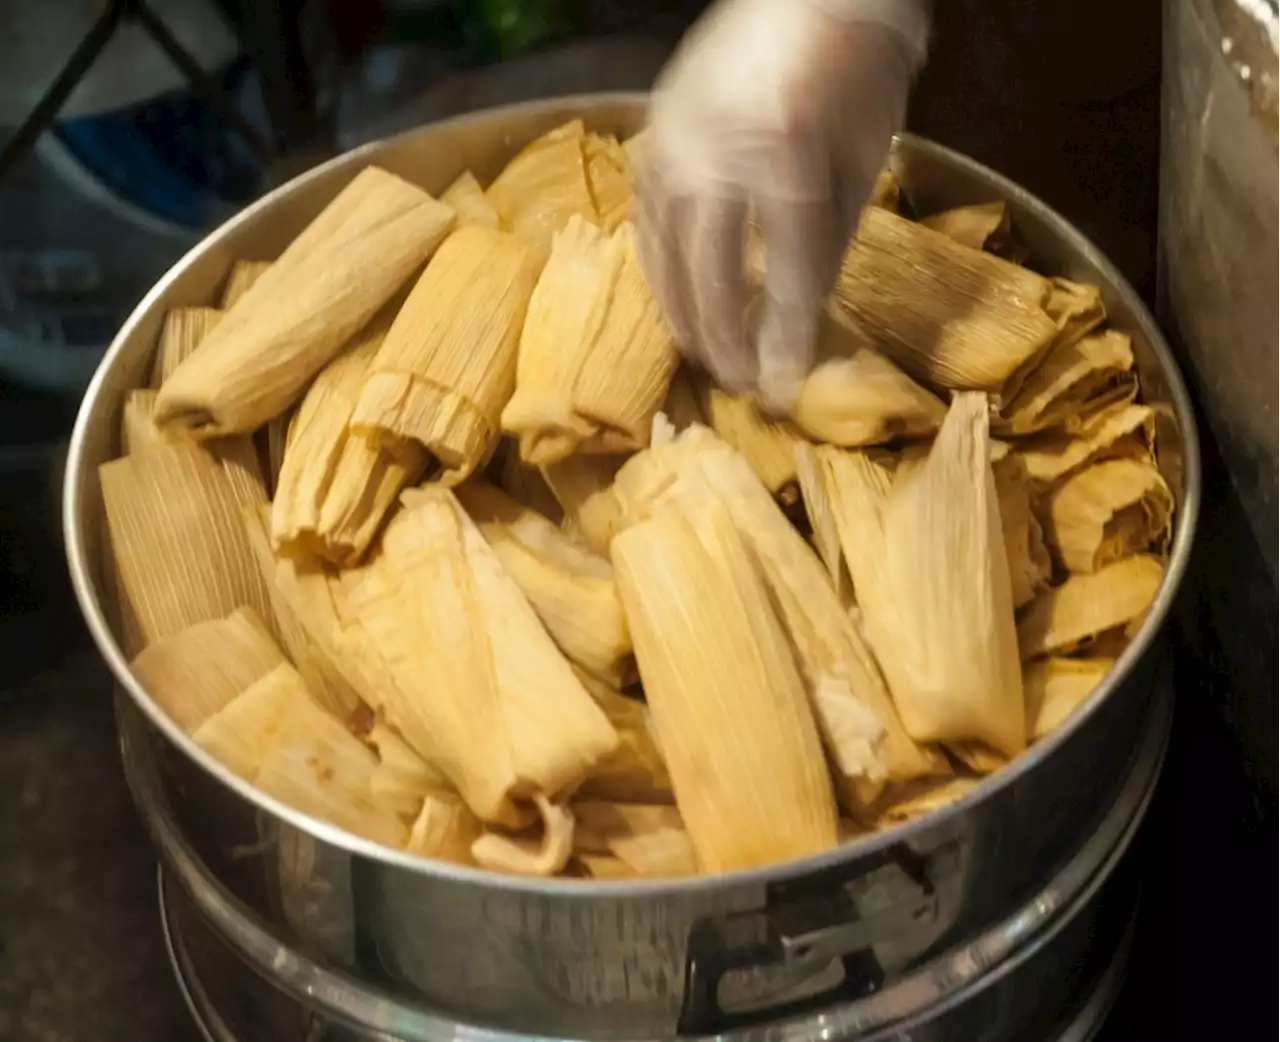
[[470, 203], [173, 521], [635, 772], [1075, 380], [926, 552], [240, 280], [973, 226], [1075, 308], [1121, 432], [722, 666], [540, 851], [1056, 687], [444, 829], [608, 178], [1116, 596], [544, 186], [196, 672], [650, 840], [1107, 511], [768, 443], [138, 429], [447, 367], [571, 588], [583, 486], [324, 288], [916, 799], [1030, 566], [825, 529], [951, 316], [403, 779], [183, 331]]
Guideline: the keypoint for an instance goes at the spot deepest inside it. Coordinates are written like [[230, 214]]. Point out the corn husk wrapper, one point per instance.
[[335, 487], [1123, 432], [978, 757], [479, 690], [544, 186], [951, 316], [979, 227], [324, 288], [1110, 510], [768, 443], [650, 840], [447, 367], [173, 519], [635, 772], [183, 331], [240, 280], [470, 203], [918, 799], [523, 482], [863, 736], [539, 851], [138, 429], [1085, 607], [1030, 566], [1074, 380], [721, 665], [1076, 309], [403, 779], [583, 486], [608, 178], [571, 588], [681, 407], [444, 829], [275, 737], [1056, 687], [194, 673], [595, 354], [926, 552], [598, 866], [825, 529]]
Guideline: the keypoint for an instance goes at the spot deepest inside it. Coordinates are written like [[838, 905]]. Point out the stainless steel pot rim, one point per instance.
[[952, 977], [81, 566]]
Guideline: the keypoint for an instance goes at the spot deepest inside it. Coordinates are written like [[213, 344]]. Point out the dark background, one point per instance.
[[1062, 97]]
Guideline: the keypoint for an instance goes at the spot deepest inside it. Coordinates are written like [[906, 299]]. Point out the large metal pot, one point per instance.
[[634, 960]]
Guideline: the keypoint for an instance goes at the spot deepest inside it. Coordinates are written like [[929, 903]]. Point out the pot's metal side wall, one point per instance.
[[1218, 287]]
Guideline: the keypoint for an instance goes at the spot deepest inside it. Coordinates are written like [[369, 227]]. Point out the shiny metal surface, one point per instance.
[[1049, 971], [612, 960]]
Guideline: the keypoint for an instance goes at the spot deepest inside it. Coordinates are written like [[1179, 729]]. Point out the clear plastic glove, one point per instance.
[[784, 110]]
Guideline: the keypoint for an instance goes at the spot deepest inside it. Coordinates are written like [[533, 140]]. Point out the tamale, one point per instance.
[[979, 226], [583, 486], [1075, 380], [448, 365], [950, 316], [1076, 309], [1055, 687], [196, 672], [595, 354], [722, 666], [470, 203], [608, 178], [403, 779], [173, 519], [859, 726], [444, 829], [544, 185], [651, 840], [768, 443], [138, 430], [241, 732], [540, 851], [335, 488], [183, 331], [1107, 511], [635, 772], [916, 799], [571, 588], [926, 552], [329, 282], [1121, 432], [480, 691], [1030, 567], [522, 481], [822, 519], [1088, 606], [240, 279]]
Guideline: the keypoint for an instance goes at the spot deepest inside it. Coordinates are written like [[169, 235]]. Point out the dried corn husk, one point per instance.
[[173, 519], [822, 520], [864, 738], [681, 407], [545, 185], [886, 192], [479, 689], [1030, 567], [635, 772], [138, 430], [279, 740], [403, 779], [598, 866], [324, 288], [570, 588], [767, 443], [1076, 309], [1116, 596], [926, 553], [183, 331], [523, 482], [1107, 511], [595, 354], [335, 488], [721, 665], [583, 486], [448, 365], [196, 672], [950, 316], [979, 227], [650, 840], [444, 829], [1122, 432], [916, 799], [1055, 687], [240, 280], [470, 203], [608, 178], [1075, 380], [537, 852]]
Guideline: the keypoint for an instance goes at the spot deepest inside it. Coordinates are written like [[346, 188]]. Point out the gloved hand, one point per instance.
[[782, 109]]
